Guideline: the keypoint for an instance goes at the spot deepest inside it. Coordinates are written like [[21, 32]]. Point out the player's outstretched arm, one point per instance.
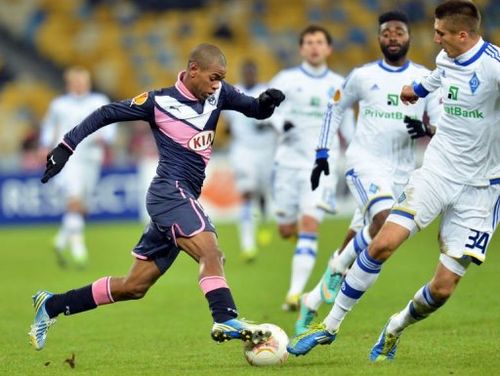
[[320, 165], [408, 95], [56, 160]]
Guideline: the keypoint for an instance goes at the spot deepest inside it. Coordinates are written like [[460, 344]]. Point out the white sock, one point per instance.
[[75, 226], [303, 262], [247, 226], [61, 240], [419, 308], [356, 245], [313, 298], [362, 275]]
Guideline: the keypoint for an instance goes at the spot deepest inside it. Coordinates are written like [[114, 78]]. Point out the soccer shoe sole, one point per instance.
[[247, 335]]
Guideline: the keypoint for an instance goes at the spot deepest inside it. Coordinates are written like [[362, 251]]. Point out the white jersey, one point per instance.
[[381, 139], [66, 112], [307, 91], [248, 132], [464, 148]]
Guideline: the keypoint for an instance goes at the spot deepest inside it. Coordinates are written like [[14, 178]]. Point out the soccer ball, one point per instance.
[[271, 352]]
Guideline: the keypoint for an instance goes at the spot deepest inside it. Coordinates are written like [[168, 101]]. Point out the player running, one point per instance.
[[79, 181], [454, 181], [183, 120], [252, 147], [381, 154], [299, 210]]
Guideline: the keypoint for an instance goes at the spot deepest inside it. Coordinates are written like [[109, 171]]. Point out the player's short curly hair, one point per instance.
[[462, 13], [393, 15], [311, 29]]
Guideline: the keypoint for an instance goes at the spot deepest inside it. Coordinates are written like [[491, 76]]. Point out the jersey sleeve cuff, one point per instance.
[[68, 144], [420, 90], [321, 153]]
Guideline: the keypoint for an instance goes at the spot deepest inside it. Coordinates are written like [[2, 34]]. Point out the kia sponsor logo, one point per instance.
[[201, 141]]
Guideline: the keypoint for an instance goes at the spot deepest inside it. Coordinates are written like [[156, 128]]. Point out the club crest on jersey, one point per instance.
[[201, 141], [140, 99], [474, 83], [211, 99]]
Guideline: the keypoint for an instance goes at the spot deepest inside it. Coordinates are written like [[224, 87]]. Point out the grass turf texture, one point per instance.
[[168, 332]]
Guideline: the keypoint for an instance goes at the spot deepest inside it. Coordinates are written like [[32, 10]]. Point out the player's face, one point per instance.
[[77, 82], [451, 41], [394, 40], [206, 81], [315, 48], [249, 75]]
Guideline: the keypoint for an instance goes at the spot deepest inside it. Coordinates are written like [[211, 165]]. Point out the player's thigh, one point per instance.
[[286, 194], [200, 245], [158, 246], [467, 225], [372, 190], [424, 197]]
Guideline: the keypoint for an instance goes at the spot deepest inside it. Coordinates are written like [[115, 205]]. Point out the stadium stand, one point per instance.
[[131, 46]]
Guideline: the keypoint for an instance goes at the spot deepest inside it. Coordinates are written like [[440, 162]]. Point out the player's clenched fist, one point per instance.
[[271, 98], [56, 160], [408, 95]]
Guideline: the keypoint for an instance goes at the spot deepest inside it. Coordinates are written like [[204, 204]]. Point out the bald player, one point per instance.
[[183, 119]]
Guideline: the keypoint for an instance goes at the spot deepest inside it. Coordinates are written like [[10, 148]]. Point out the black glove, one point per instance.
[[417, 128], [320, 165], [287, 126], [56, 160], [271, 98]]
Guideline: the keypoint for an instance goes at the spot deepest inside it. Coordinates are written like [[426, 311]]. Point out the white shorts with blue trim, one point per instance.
[[468, 218], [374, 190], [293, 197]]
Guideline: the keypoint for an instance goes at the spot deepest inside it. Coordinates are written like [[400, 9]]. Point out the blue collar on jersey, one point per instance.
[[321, 75], [400, 69], [473, 58]]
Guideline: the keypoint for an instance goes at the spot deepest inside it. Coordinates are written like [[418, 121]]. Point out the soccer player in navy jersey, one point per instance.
[[183, 119]]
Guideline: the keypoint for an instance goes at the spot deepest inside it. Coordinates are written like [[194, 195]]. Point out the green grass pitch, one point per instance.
[[167, 333]]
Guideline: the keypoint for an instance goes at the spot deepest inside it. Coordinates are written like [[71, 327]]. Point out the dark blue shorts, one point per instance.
[[175, 212]]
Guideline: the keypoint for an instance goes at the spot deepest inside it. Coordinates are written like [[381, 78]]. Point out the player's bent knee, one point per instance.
[[381, 248], [287, 231]]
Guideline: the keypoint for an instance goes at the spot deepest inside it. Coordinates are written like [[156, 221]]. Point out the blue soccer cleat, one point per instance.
[[386, 346], [42, 321], [239, 329], [330, 285], [306, 316], [315, 335]]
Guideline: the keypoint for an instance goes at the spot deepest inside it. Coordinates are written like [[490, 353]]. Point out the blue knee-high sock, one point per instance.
[[362, 275]]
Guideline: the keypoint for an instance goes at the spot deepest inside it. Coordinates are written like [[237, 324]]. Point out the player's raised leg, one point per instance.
[[362, 275], [204, 249]]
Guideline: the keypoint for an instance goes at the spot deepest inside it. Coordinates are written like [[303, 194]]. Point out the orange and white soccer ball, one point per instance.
[[269, 353]]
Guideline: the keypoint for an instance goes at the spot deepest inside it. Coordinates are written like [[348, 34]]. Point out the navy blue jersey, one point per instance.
[[183, 126]]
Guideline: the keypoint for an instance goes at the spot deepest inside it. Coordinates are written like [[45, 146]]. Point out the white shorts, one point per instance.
[[252, 169], [79, 178], [293, 196], [373, 189], [357, 221], [466, 224]]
